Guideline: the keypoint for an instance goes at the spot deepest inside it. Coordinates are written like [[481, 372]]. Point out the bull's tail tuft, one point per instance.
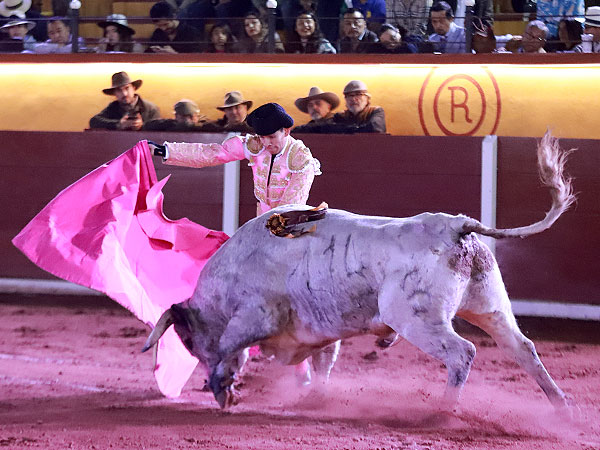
[[165, 321], [551, 165]]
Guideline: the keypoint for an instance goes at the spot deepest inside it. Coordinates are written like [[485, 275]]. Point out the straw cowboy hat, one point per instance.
[[117, 20], [14, 8], [234, 98], [316, 93], [121, 79], [592, 16], [15, 23]]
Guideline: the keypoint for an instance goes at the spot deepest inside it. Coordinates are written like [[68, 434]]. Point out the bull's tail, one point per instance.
[[551, 164], [165, 321]]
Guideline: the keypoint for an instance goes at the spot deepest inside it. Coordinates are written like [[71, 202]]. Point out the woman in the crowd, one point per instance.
[[569, 34], [221, 39], [59, 32], [118, 36], [256, 36], [19, 39], [307, 37]]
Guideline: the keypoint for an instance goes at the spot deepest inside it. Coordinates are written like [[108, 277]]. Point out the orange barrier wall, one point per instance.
[[436, 95]]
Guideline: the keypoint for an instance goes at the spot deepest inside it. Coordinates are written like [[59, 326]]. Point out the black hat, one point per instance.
[[162, 10], [269, 118]]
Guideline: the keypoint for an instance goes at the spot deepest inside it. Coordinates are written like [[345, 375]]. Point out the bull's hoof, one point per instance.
[[569, 410], [227, 397], [384, 342]]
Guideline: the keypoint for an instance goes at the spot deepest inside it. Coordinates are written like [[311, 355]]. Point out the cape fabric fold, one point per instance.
[[107, 231]]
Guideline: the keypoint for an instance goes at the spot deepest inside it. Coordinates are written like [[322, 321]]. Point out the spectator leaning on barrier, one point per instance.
[[60, 38], [187, 118], [235, 110], [447, 37], [569, 35], [17, 30], [390, 42], [23, 10], [171, 35], [356, 37], [129, 111], [118, 36], [306, 37], [532, 41], [319, 106]]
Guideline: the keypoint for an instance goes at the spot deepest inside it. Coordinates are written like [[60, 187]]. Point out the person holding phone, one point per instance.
[[129, 111]]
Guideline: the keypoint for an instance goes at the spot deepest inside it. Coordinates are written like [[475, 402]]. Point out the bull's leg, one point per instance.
[[503, 328], [325, 358], [423, 317]]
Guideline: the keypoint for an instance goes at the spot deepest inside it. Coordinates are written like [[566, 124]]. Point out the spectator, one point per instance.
[[372, 10], [231, 11], [447, 37], [307, 38], [235, 110], [410, 15], [129, 111], [187, 118], [360, 116], [171, 36], [319, 106], [552, 11], [195, 13], [221, 39], [23, 10], [357, 38], [255, 37], [291, 9], [59, 32], [483, 39], [390, 41], [118, 36], [569, 34], [592, 26], [532, 41], [18, 32]]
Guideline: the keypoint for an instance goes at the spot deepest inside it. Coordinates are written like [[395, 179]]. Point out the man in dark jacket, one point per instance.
[[128, 111], [235, 110], [357, 38], [319, 106], [171, 35], [187, 118]]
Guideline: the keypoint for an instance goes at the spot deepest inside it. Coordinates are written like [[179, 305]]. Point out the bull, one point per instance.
[[355, 275]]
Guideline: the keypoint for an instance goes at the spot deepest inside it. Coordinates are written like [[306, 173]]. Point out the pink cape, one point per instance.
[[107, 231]]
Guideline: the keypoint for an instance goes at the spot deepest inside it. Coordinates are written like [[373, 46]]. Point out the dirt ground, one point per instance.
[[72, 377]]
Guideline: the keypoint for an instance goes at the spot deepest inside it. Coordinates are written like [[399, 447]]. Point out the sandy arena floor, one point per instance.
[[72, 376]]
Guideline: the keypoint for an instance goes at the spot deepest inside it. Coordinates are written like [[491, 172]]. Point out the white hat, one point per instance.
[[14, 8], [14, 23], [592, 16]]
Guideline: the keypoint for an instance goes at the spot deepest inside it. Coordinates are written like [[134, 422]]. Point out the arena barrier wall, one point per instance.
[[423, 95], [551, 274]]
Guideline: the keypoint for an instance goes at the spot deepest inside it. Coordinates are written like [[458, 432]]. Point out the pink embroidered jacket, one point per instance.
[[292, 175]]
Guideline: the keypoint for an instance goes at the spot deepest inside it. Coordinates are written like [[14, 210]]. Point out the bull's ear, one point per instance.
[[165, 321]]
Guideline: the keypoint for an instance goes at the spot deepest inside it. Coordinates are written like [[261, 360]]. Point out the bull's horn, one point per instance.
[[165, 321]]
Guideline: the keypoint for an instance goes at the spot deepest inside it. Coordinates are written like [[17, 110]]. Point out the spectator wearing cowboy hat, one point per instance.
[[22, 9], [118, 36], [17, 30], [319, 106], [187, 118], [592, 26], [360, 116], [129, 111], [235, 110]]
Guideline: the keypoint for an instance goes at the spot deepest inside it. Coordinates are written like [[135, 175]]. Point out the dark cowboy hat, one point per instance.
[[121, 79], [316, 93], [269, 118], [117, 20], [234, 98]]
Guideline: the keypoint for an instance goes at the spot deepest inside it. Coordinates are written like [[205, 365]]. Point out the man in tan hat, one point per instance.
[[187, 118], [129, 111], [360, 116], [236, 110], [319, 106]]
